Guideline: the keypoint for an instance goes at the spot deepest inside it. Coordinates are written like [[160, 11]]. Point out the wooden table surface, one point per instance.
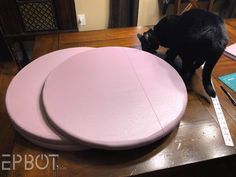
[[197, 138]]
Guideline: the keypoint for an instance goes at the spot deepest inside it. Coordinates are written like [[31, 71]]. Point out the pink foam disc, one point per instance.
[[53, 146], [23, 98], [114, 98]]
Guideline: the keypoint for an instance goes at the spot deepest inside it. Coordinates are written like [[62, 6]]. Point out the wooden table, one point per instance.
[[196, 139]]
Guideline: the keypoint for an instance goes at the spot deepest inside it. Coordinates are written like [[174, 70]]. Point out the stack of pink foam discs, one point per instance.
[[112, 98]]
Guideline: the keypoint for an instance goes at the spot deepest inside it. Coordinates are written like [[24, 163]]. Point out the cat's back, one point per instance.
[[199, 26], [200, 17]]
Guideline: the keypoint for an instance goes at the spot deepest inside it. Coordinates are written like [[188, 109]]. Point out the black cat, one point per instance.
[[197, 37]]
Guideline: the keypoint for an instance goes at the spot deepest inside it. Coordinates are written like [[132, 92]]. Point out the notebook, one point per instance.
[[229, 80], [230, 51]]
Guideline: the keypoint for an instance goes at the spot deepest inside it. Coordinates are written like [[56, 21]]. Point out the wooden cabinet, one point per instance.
[[24, 19], [5, 52], [32, 17]]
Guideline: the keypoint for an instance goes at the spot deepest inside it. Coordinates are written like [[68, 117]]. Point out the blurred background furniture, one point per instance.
[[22, 20], [123, 13], [190, 4], [228, 8]]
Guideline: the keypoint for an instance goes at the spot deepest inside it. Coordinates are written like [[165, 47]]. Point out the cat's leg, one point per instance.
[[170, 57], [211, 61], [198, 62], [188, 69]]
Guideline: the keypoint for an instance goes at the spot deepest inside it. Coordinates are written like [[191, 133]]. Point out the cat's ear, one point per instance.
[[139, 36]]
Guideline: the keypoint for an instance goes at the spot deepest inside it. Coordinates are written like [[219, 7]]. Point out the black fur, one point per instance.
[[197, 37]]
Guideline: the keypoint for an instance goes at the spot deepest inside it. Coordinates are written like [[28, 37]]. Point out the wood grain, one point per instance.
[[7, 132], [195, 143]]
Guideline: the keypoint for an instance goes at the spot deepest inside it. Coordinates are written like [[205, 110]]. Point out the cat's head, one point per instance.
[[148, 41]]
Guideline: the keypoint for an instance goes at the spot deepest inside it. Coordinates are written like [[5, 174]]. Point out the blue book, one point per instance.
[[229, 80]]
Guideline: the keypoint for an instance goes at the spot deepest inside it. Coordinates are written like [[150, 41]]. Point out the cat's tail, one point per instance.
[[207, 71]]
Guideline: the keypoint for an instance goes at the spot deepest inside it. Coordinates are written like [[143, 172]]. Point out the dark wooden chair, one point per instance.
[[190, 4]]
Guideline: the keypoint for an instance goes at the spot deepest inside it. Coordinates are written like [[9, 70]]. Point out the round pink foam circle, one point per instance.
[[53, 146], [23, 99], [114, 98]]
